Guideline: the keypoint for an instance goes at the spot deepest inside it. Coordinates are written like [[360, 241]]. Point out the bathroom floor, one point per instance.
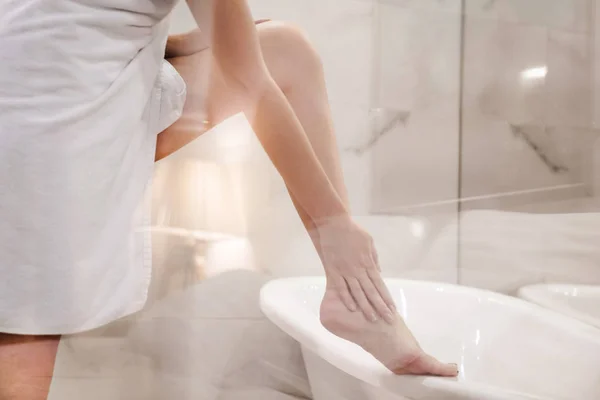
[[186, 347], [101, 368]]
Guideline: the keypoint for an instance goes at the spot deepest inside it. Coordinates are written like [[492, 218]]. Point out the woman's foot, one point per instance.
[[392, 344]]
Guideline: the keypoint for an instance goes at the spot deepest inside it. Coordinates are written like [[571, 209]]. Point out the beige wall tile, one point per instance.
[[571, 15], [417, 162]]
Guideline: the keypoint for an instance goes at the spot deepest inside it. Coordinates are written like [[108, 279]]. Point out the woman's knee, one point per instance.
[[285, 44]]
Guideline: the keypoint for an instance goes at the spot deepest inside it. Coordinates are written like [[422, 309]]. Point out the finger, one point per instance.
[[383, 290], [375, 298], [341, 287], [360, 298]]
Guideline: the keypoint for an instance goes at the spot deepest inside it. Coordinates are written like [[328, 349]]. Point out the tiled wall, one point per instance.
[[527, 144], [524, 96], [527, 105], [415, 164], [596, 99], [417, 73], [523, 108]]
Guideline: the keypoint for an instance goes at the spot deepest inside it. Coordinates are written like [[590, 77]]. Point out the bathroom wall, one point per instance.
[[502, 116], [417, 75], [527, 102], [528, 140], [524, 92], [596, 98]]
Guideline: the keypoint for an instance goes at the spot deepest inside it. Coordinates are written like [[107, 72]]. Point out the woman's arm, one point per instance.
[[231, 31]]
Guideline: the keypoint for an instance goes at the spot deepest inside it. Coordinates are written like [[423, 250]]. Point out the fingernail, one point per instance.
[[353, 307], [393, 308], [374, 318]]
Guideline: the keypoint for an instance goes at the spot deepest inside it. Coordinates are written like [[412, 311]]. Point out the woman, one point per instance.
[[83, 87]]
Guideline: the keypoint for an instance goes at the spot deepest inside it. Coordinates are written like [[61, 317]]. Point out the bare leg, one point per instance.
[[26, 366], [298, 71], [296, 68]]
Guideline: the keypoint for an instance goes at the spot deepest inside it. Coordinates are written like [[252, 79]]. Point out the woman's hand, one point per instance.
[[352, 268], [192, 42]]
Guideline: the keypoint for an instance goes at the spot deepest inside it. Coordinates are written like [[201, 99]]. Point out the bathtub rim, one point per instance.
[[542, 294]]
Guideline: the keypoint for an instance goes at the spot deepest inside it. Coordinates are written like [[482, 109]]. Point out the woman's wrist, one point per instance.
[[340, 219]]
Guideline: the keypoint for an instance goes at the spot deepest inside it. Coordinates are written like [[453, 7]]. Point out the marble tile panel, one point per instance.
[[417, 161], [505, 68], [570, 15], [453, 6], [568, 82]]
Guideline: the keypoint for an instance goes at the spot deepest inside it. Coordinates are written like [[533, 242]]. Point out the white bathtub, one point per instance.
[[506, 348]]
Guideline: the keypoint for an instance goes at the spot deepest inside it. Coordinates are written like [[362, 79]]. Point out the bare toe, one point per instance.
[[428, 365]]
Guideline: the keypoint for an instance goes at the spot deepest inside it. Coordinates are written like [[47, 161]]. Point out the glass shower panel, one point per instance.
[[528, 143], [415, 129]]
